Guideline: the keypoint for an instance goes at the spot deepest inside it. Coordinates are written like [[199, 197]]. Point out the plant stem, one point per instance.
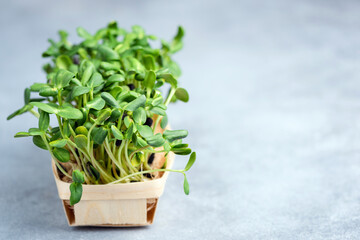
[[106, 176], [148, 171], [60, 126], [59, 98], [169, 97], [137, 150], [91, 94], [91, 128], [157, 122], [75, 155], [120, 119], [131, 167], [107, 149], [34, 113]]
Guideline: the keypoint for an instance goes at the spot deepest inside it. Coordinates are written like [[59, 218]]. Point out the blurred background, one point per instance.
[[273, 115]]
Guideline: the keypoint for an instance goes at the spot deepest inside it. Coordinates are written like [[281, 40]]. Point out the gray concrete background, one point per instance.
[[274, 117]]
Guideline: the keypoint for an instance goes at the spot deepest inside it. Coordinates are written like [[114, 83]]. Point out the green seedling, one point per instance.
[[106, 95]]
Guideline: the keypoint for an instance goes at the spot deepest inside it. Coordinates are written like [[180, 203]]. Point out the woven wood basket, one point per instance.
[[116, 205]]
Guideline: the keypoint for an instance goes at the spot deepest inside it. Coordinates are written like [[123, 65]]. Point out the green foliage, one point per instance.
[[76, 193], [61, 154], [106, 94]]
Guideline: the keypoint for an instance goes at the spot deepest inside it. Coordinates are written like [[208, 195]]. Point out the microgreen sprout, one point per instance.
[[106, 94]]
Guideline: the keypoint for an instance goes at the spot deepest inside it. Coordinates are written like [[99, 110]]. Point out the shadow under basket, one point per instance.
[[116, 205]]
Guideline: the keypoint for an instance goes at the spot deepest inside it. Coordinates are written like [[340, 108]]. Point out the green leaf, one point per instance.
[[169, 78], [133, 64], [63, 78], [149, 81], [86, 69], [115, 91], [44, 121], [186, 186], [81, 141], [145, 131], [76, 193], [19, 111], [81, 130], [158, 100], [97, 103], [35, 132], [164, 122], [37, 99], [139, 116], [115, 114], [60, 143], [139, 76], [128, 121], [117, 133], [135, 104], [48, 91], [49, 108], [140, 142], [38, 141], [129, 132], [22, 134], [108, 53], [70, 113], [149, 62], [181, 151], [162, 106], [172, 135], [95, 80], [78, 176], [139, 31], [110, 100], [158, 111], [155, 140], [27, 96], [180, 145], [83, 33], [167, 146], [37, 86], [99, 135], [177, 43], [191, 161], [116, 78], [182, 94], [103, 115], [78, 91], [165, 45], [159, 83], [110, 66], [90, 43], [66, 128], [63, 62], [61, 154]]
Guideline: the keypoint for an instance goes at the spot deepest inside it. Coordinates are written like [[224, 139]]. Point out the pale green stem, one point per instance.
[[171, 94], [131, 167], [148, 171], [137, 150], [34, 113], [106, 176], [88, 136], [107, 149]]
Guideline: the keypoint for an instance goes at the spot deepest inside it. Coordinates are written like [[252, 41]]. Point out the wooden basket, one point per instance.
[[116, 205]]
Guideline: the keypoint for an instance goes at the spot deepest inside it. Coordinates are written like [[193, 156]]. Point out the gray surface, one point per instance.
[[274, 117]]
